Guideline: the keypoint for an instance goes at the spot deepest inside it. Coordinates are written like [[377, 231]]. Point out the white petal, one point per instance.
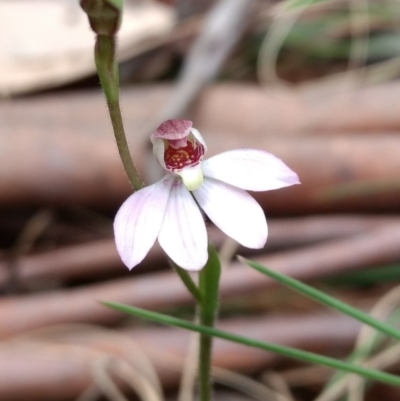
[[183, 234], [199, 137], [158, 150], [138, 221], [234, 211], [250, 169]]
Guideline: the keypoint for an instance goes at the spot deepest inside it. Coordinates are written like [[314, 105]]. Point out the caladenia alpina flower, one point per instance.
[[169, 209]]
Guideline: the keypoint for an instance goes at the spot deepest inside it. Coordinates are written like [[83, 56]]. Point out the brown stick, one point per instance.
[[158, 290], [98, 257], [222, 28], [58, 367], [67, 155], [240, 109]]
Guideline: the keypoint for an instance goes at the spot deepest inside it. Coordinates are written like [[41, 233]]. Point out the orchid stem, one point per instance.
[[208, 284], [107, 68]]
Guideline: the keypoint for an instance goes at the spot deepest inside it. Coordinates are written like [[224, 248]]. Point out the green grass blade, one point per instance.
[[293, 4], [325, 299], [278, 349]]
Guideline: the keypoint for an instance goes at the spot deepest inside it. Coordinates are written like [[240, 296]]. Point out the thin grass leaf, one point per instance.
[[367, 350], [293, 4], [325, 299], [375, 275], [277, 349]]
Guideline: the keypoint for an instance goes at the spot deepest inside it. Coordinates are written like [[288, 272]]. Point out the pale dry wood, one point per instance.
[[56, 47], [60, 150], [91, 259], [158, 290], [58, 366], [222, 28]]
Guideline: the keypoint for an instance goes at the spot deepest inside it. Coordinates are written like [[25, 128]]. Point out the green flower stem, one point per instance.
[[278, 349], [325, 299], [208, 285], [107, 68], [187, 281]]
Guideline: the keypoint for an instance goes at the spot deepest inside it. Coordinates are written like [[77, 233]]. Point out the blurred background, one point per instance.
[[317, 85]]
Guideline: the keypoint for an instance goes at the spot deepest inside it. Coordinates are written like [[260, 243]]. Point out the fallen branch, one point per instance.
[[56, 364], [222, 28], [161, 290], [95, 258], [69, 160]]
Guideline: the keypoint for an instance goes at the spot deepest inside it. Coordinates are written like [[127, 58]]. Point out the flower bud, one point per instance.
[[104, 15]]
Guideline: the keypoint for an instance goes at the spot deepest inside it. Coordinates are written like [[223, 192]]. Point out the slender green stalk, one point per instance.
[[325, 299], [105, 18], [107, 69], [122, 144], [208, 285], [278, 349], [187, 281], [204, 373]]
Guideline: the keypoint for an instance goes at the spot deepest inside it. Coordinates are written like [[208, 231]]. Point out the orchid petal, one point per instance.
[[234, 211], [250, 169], [138, 221], [158, 150], [199, 138], [172, 130], [183, 234]]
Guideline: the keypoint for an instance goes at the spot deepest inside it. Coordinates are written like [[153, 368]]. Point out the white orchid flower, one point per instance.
[[167, 210]]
